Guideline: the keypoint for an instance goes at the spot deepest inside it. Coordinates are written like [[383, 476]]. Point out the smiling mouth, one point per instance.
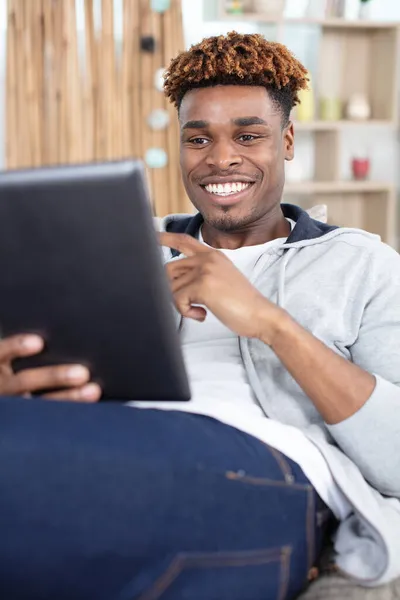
[[227, 189]]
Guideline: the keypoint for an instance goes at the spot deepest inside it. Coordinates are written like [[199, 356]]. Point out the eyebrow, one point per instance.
[[240, 122], [195, 125], [248, 121]]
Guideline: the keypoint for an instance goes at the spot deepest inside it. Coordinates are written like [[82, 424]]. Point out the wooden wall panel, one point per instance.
[[77, 97]]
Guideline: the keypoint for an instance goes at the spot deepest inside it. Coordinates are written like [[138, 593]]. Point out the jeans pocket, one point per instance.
[[243, 575]]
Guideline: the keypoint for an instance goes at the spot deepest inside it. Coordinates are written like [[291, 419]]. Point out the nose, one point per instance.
[[223, 156]]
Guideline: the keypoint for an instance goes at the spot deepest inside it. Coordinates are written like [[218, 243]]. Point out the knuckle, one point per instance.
[[186, 238], [74, 394], [19, 383], [12, 344], [55, 375]]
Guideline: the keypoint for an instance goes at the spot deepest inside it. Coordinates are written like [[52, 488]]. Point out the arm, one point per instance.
[[359, 400]]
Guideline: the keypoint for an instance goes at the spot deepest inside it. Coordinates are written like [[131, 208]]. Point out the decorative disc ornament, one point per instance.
[[159, 79], [158, 119], [160, 6], [156, 158]]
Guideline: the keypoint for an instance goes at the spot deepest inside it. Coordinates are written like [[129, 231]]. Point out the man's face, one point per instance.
[[232, 154]]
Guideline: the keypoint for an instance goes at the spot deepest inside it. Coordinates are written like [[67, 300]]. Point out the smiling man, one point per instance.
[[290, 330]]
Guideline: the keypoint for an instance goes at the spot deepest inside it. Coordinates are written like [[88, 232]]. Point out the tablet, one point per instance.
[[81, 266]]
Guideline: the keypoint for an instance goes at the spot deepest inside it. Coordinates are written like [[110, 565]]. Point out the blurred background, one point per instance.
[[80, 80]]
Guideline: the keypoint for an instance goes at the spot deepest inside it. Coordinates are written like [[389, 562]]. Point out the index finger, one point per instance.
[[181, 241], [20, 345]]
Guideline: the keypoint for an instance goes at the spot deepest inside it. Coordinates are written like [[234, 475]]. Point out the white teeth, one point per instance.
[[225, 189]]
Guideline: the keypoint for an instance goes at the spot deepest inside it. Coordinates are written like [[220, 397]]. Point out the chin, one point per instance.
[[228, 219]]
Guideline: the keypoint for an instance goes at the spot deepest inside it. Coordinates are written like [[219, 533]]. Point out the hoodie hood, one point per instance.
[[307, 231]]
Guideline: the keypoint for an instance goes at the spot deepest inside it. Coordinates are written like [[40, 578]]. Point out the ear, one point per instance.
[[288, 141]]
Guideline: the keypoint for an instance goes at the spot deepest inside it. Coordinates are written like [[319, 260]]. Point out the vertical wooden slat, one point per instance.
[[171, 134], [59, 80], [127, 73], [158, 137], [50, 125], [145, 82], [91, 86], [22, 128], [12, 153], [72, 83], [136, 106], [31, 100], [37, 40], [184, 203], [108, 76]]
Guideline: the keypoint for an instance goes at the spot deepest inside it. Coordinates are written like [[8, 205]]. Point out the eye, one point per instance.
[[247, 137], [198, 141]]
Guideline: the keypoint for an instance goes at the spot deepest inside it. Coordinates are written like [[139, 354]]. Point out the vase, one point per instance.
[[270, 8], [330, 109], [364, 10], [360, 168], [358, 108], [234, 7], [305, 108]]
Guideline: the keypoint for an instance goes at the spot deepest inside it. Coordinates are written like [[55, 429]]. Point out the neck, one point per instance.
[[271, 226]]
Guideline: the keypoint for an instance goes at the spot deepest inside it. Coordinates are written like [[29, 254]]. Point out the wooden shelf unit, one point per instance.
[[354, 56], [371, 206], [343, 124]]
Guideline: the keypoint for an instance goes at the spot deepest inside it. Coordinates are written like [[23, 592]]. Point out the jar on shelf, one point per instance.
[[358, 108], [269, 8], [234, 7]]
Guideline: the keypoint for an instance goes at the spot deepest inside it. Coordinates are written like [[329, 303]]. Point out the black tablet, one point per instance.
[[80, 264]]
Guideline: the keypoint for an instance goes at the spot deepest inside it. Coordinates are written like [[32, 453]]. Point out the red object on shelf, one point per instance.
[[360, 168]]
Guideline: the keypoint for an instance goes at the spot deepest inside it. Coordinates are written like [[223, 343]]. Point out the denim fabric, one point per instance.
[[107, 502]]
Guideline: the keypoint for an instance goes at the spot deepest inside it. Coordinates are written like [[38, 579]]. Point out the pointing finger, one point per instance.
[[182, 242]]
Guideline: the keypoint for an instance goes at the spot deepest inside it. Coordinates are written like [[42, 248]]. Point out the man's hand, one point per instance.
[[72, 379], [208, 278]]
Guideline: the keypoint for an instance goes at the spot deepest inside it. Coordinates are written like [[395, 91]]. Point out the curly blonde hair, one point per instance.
[[238, 59]]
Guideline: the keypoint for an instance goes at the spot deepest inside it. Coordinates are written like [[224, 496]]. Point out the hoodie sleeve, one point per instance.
[[371, 437]]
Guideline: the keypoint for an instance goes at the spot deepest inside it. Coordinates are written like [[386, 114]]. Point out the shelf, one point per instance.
[[342, 124], [325, 23], [336, 187]]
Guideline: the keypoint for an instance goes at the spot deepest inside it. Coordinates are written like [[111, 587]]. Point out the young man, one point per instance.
[[290, 330]]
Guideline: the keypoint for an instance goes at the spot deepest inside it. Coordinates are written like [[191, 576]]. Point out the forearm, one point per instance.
[[337, 387]]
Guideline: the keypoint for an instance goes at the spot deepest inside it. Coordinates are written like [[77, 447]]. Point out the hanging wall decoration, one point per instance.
[[158, 119], [148, 43], [156, 158], [159, 79], [160, 6]]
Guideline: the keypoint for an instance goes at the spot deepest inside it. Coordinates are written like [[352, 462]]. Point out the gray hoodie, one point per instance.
[[343, 285]]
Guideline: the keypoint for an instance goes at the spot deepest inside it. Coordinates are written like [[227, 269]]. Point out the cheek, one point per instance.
[[187, 163]]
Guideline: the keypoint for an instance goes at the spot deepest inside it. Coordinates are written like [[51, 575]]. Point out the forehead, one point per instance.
[[223, 103]]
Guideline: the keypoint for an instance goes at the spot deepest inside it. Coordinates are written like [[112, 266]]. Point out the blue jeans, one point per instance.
[[107, 502]]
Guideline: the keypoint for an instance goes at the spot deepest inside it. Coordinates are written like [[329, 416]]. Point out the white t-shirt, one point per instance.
[[221, 390]]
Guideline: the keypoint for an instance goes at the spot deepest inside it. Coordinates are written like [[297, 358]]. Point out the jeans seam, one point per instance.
[[262, 481], [310, 526], [285, 572], [165, 580], [176, 567], [283, 464]]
